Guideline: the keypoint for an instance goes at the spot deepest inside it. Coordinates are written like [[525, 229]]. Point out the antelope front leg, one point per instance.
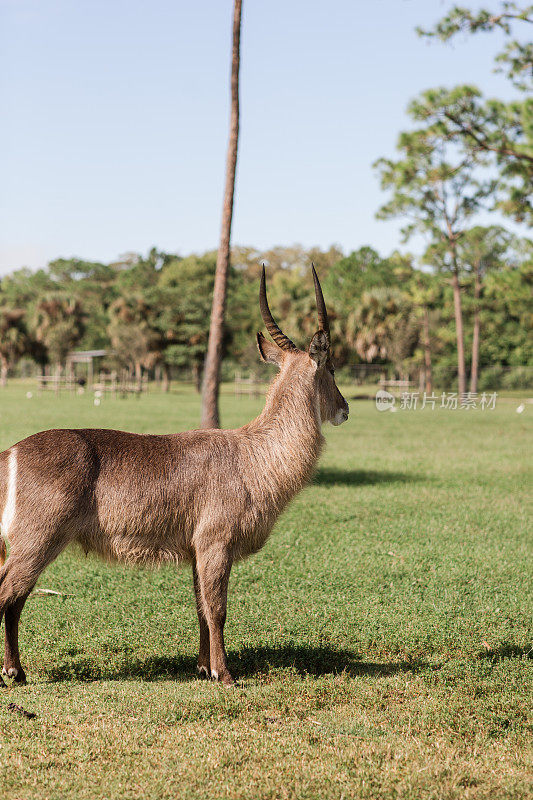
[[204, 660], [213, 568]]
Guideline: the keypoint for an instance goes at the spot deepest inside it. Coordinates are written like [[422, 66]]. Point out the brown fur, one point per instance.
[[204, 497]]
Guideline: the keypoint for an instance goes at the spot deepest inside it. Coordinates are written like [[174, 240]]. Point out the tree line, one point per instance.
[[152, 311]]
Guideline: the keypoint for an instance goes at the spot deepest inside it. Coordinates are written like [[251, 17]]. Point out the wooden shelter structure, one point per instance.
[[84, 357]]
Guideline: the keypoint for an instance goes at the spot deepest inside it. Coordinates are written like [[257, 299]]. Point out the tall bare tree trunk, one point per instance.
[[58, 377], [138, 376], [427, 353], [4, 366], [166, 377], [210, 410], [475, 339], [461, 371], [197, 376]]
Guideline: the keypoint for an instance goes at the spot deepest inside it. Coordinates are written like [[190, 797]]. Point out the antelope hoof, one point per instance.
[[224, 678], [14, 674], [203, 671]]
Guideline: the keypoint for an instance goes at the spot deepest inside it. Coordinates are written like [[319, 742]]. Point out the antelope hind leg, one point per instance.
[[204, 658], [12, 668], [15, 587], [18, 576]]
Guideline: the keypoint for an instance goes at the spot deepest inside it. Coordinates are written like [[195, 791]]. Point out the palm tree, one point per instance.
[[13, 339], [383, 327], [210, 410], [58, 325], [134, 335]]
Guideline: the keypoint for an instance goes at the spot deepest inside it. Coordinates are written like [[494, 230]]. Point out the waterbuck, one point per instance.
[[208, 497]]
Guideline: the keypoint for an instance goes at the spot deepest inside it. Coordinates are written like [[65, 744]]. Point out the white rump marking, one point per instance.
[[9, 509]]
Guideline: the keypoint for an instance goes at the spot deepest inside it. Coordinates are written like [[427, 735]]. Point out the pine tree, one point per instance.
[[436, 187]]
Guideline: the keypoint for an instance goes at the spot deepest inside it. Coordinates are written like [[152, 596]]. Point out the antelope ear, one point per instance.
[[319, 348], [269, 352]]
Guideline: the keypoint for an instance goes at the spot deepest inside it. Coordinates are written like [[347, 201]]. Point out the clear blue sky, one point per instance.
[[116, 116]]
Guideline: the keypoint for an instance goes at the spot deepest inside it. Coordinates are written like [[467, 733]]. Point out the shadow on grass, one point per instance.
[[315, 661], [150, 669], [508, 651], [361, 396], [329, 476], [248, 662]]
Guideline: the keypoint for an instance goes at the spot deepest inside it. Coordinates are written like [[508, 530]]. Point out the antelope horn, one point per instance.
[[279, 337], [320, 304]]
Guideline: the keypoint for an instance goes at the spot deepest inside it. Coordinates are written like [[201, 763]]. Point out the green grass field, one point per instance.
[[382, 638]]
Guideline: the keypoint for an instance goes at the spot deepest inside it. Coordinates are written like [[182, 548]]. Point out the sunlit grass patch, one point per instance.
[[382, 638]]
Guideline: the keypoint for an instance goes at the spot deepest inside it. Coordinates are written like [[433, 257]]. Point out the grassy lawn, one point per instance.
[[381, 639]]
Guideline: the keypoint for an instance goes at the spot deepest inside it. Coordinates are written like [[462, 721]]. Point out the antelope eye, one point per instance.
[[332, 370]]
